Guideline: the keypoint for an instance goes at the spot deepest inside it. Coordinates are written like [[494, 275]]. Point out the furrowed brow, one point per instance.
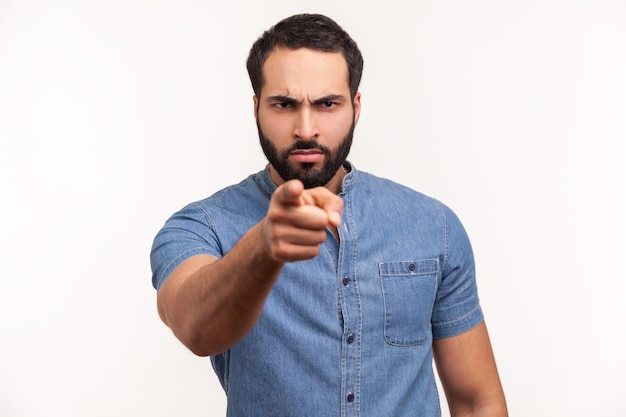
[[282, 99], [326, 99]]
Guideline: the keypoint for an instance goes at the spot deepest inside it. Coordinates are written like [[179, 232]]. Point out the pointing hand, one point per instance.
[[297, 219]]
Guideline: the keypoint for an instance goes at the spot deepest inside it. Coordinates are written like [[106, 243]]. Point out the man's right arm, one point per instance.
[[210, 303]]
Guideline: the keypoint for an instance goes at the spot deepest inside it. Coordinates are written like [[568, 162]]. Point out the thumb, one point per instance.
[[290, 193]]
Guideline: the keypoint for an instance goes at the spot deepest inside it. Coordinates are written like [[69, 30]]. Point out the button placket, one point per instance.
[[352, 316]]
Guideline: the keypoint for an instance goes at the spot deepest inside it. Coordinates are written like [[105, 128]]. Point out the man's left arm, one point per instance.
[[468, 373]]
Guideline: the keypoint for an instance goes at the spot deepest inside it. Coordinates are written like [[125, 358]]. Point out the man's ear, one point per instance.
[[356, 105], [255, 99]]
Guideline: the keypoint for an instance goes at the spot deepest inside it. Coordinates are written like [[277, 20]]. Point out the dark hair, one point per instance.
[[313, 31]]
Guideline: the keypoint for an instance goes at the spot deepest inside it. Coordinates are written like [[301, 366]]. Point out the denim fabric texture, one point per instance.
[[348, 333]]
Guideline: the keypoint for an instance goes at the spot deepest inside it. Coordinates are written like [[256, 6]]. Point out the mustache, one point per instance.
[[307, 144]]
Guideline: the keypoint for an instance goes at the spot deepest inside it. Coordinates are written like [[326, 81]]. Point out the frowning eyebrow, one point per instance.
[[317, 102], [283, 99], [328, 98]]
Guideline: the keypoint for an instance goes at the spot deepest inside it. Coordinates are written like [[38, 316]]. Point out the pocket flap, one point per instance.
[[403, 268]]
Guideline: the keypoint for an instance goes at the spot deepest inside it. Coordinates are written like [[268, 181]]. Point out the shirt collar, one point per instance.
[[266, 184]]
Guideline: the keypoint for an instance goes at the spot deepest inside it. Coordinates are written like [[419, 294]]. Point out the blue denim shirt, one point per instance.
[[348, 333]]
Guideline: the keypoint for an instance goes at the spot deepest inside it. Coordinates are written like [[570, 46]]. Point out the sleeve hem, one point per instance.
[[460, 325], [159, 280]]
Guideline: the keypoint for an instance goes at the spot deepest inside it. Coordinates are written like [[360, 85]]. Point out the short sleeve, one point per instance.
[[187, 233], [457, 308]]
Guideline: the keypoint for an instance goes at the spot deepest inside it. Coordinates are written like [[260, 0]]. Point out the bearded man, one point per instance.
[[318, 289]]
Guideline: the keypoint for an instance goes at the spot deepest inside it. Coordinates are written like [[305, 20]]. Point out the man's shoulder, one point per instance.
[[247, 189], [385, 187]]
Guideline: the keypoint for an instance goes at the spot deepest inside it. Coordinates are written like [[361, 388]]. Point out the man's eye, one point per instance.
[[328, 104], [282, 105]]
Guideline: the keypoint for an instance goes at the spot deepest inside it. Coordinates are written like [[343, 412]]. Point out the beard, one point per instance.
[[307, 173]]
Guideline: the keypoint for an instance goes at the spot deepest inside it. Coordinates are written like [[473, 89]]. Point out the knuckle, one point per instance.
[[320, 236], [273, 216], [280, 253], [315, 250]]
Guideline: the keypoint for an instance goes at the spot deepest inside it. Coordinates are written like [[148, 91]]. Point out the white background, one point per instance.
[[113, 114]]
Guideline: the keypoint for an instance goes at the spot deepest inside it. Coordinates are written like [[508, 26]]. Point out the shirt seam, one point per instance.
[[451, 323], [445, 240]]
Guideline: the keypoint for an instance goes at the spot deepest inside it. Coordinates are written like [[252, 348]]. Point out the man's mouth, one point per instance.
[[307, 156]]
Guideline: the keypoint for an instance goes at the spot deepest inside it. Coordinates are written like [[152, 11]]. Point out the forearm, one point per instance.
[[214, 307], [484, 399], [469, 376], [492, 407]]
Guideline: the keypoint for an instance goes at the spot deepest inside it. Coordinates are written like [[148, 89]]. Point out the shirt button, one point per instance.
[[411, 267], [350, 397], [350, 338], [346, 281]]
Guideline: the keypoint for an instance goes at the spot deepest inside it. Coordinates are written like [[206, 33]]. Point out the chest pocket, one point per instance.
[[409, 289]]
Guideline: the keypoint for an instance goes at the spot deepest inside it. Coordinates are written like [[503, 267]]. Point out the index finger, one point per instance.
[[327, 201]]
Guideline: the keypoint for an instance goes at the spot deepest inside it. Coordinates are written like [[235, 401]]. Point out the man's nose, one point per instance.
[[306, 125]]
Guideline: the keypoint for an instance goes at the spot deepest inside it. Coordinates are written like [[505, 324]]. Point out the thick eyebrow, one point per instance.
[[317, 102], [283, 99], [326, 99]]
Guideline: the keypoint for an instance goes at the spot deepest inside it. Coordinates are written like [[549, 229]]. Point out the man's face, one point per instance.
[[305, 116]]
